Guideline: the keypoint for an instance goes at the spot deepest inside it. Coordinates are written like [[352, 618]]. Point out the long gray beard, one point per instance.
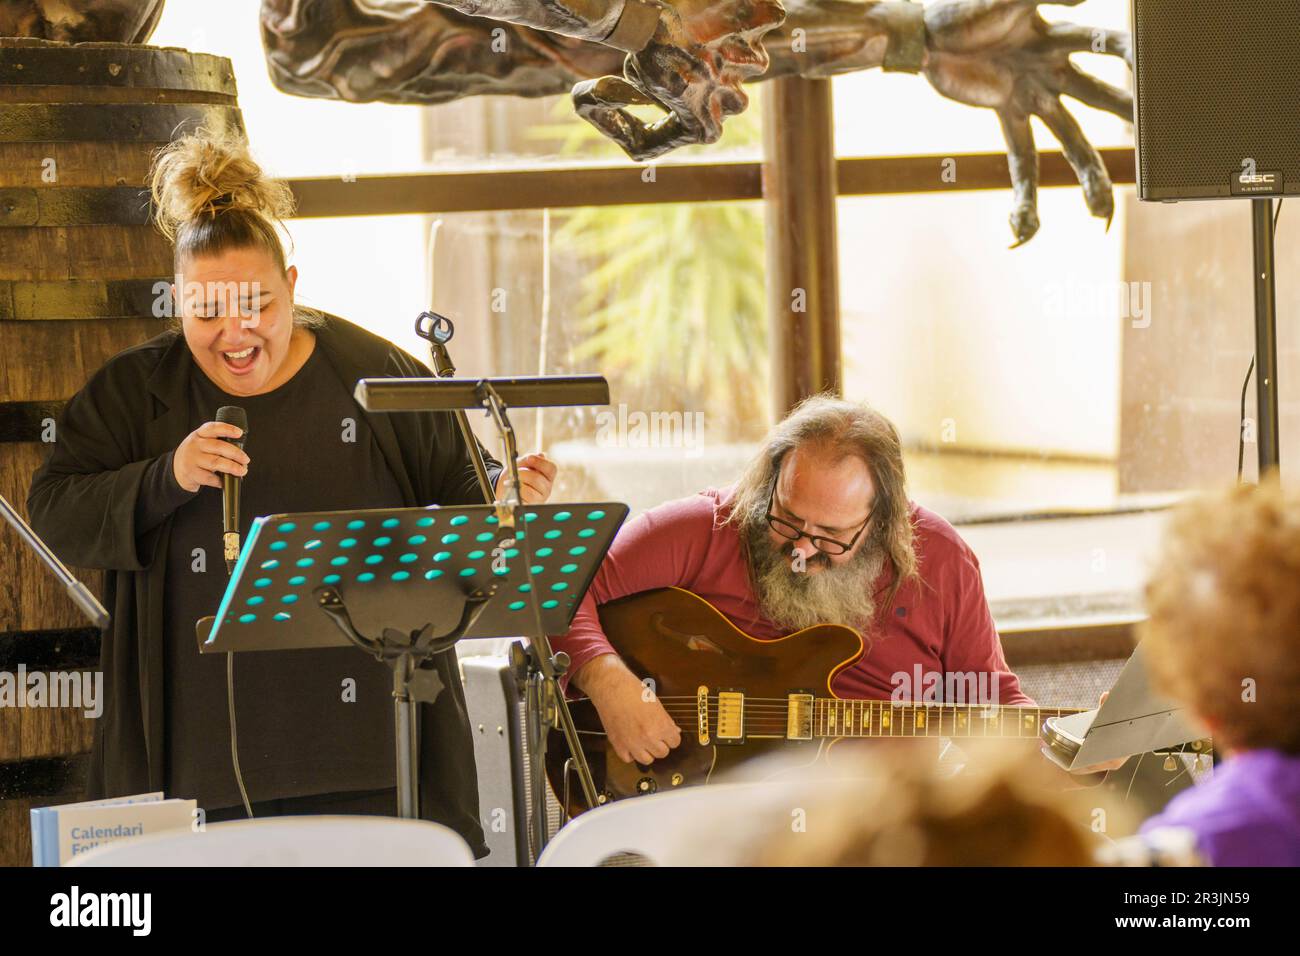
[[832, 595]]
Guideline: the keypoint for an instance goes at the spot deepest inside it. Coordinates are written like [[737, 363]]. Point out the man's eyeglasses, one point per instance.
[[823, 544]]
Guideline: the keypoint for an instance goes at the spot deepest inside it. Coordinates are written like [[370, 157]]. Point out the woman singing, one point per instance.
[[132, 486]]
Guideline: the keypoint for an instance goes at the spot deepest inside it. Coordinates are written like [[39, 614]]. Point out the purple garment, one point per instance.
[[1247, 814]]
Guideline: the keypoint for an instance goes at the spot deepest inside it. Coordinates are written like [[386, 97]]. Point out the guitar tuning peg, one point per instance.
[[1170, 762]]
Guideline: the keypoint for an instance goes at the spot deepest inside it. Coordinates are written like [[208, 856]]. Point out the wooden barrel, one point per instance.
[[79, 271]]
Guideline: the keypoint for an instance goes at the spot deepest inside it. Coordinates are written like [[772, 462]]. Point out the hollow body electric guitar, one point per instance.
[[736, 697]]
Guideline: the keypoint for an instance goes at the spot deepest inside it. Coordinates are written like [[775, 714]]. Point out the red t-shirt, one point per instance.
[[935, 631]]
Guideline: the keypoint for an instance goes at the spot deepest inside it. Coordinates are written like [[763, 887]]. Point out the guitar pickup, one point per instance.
[[799, 717], [731, 718]]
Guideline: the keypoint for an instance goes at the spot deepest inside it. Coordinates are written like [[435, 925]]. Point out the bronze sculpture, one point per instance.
[[689, 57], [999, 54]]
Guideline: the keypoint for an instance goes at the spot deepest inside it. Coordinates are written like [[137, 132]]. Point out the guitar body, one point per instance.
[[681, 643]]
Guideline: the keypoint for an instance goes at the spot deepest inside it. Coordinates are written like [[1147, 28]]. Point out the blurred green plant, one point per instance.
[[673, 291]]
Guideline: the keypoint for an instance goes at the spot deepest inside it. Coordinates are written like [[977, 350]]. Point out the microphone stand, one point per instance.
[[78, 592], [438, 333], [545, 702]]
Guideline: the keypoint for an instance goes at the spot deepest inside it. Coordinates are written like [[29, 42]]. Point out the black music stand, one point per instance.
[[545, 702], [404, 584]]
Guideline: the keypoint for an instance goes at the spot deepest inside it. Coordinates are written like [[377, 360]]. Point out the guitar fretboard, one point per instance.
[[883, 718]]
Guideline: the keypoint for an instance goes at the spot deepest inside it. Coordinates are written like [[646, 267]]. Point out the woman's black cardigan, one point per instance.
[[112, 439]]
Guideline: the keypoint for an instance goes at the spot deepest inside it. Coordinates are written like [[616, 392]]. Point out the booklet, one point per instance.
[[62, 832]]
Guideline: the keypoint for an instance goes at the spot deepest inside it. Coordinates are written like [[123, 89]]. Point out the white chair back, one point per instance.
[[697, 826], [292, 841]]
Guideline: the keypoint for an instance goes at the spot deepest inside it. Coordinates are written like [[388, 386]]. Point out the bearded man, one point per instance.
[[817, 530]]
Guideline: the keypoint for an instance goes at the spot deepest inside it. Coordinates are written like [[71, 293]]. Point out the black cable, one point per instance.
[[1241, 424], [234, 737], [1241, 430]]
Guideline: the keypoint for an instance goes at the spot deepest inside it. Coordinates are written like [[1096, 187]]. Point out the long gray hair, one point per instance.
[[855, 429]]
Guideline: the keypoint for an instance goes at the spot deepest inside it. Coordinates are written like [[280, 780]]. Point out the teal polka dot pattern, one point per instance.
[[444, 554]]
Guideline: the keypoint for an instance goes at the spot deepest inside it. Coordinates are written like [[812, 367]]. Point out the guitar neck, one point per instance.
[[882, 718]]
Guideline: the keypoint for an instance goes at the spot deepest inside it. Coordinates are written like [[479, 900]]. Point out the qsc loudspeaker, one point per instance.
[[1217, 98]]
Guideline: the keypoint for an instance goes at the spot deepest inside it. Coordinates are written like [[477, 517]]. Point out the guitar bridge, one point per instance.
[[731, 717]]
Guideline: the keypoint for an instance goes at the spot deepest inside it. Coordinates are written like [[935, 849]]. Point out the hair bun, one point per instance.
[[205, 174]]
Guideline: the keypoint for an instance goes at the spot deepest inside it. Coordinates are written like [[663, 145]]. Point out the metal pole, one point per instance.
[[404, 722], [1265, 336]]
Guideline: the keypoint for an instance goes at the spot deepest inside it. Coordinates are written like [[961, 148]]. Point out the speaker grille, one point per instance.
[[1216, 83]]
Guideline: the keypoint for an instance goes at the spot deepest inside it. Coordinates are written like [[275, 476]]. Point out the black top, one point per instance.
[[309, 721], [104, 499]]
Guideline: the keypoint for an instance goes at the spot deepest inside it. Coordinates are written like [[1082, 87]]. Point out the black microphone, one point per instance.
[[231, 415]]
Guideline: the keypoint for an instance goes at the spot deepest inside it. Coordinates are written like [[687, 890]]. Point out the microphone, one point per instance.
[[231, 415]]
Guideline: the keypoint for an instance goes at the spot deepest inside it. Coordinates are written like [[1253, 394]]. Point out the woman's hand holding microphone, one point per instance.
[[203, 456]]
